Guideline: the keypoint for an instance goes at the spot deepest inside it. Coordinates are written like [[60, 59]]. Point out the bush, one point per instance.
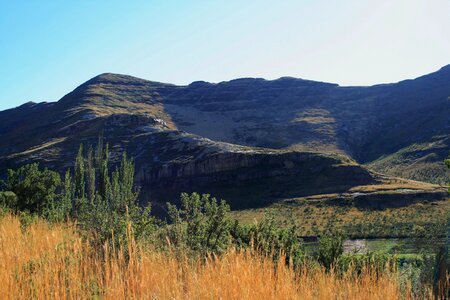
[[269, 239], [8, 200], [377, 262], [331, 248], [202, 224]]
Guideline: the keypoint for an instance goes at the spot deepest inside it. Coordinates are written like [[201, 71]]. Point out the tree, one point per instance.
[[447, 163], [79, 175], [331, 248], [201, 224], [105, 204], [36, 189]]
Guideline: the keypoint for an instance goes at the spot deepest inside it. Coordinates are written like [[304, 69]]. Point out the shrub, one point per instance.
[[330, 249], [269, 239], [377, 262], [202, 224], [8, 200]]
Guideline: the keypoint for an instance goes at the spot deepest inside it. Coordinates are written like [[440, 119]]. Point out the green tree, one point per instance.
[[202, 224], [62, 209], [330, 249], [79, 175], [36, 189], [90, 174], [447, 163], [106, 205]]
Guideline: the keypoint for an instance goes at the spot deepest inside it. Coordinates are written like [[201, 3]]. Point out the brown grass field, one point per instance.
[[52, 262]]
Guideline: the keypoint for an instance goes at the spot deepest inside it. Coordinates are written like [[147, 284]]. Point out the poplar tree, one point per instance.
[[106, 203], [90, 175], [79, 175]]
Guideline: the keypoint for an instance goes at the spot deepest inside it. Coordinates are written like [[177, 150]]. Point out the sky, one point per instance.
[[48, 48]]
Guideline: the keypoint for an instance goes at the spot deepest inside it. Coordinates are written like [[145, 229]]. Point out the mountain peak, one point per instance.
[[114, 78], [445, 68]]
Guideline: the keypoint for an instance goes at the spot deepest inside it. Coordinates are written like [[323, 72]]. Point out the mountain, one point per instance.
[[250, 140]]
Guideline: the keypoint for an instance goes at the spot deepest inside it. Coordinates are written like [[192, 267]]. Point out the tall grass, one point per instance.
[[52, 262]]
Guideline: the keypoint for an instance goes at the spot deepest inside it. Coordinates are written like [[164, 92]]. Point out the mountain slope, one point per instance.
[[249, 140], [362, 122]]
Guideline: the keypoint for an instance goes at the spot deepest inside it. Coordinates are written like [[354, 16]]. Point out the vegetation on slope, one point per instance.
[[313, 218], [419, 161]]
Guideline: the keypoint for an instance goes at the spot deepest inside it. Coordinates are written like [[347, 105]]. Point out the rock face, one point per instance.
[[255, 178], [249, 140]]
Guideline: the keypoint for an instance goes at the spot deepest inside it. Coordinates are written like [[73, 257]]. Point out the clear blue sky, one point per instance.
[[47, 48]]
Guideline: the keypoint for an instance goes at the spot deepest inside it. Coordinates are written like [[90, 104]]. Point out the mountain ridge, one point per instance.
[[366, 124]]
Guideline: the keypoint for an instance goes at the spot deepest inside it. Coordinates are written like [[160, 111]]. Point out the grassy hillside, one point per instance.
[[419, 161], [314, 217]]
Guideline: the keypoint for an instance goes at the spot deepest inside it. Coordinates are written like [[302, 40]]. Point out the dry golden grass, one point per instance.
[[51, 262], [396, 184]]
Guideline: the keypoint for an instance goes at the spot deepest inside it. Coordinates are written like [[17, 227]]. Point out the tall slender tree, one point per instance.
[[90, 175], [79, 179]]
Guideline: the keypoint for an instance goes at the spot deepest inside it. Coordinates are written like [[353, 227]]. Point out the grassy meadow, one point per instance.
[[47, 261]]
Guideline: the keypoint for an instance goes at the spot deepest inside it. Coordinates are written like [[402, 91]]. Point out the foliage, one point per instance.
[[377, 261], [269, 239], [36, 190], [330, 249], [314, 218], [202, 224], [105, 204], [8, 200], [105, 207], [447, 163], [54, 263]]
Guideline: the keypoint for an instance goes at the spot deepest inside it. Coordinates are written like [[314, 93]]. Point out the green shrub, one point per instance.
[[8, 200], [330, 249], [27, 219], [375, 261], [269, 239], [202, 224]]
